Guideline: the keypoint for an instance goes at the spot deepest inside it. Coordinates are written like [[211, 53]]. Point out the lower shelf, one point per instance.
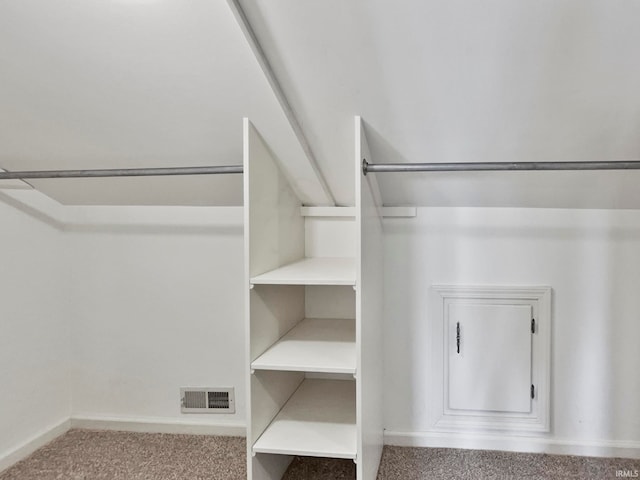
[[319, 420]]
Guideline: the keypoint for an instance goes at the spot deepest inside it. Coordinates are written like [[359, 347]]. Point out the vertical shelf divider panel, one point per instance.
[[273, 236], [369, 312]]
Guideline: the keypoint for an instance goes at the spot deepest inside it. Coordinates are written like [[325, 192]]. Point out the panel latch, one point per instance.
[[533, 325], [533, 391]]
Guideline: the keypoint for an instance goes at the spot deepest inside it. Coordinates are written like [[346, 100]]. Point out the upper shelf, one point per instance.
[[311, 271]]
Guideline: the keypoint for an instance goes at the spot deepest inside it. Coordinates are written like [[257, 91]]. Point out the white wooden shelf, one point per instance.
[[311, 271], [319, 420], [314, 345]]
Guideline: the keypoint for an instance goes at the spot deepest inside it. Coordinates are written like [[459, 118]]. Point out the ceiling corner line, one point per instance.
[[261, 57]]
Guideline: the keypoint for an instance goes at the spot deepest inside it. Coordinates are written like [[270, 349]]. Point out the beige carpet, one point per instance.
[[89, 455], [94, 455]]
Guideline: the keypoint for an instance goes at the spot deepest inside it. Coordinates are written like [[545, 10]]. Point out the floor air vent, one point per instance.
[[207, 400]]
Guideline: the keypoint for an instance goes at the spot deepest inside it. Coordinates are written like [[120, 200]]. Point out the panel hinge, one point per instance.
[[533, 391], [533, 325]]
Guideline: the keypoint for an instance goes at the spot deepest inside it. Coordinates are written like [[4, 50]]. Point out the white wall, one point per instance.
[[152, 303], [34, 330], [591, 258], [155, 308], [108, 311]]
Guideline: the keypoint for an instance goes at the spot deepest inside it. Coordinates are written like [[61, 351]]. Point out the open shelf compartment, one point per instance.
[[325, 345], [311, 271], [319, 420]]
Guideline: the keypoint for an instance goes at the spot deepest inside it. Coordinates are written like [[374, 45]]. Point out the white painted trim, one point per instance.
[[401, 212], [510, 443], [86, 218], [37, 441], [328, 211], [158, 425]]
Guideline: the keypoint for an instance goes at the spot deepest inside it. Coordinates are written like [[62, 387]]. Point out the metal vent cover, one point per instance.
[[207, 400], [194, 399]]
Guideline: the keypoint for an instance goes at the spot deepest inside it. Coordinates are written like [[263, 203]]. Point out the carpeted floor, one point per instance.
[[94, 455], [97, 455]]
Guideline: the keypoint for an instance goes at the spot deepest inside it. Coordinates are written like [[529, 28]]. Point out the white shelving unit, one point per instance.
[[313, 321]]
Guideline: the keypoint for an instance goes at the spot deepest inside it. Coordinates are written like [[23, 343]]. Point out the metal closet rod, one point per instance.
[[366, 168], [497, 166], [123, 172]]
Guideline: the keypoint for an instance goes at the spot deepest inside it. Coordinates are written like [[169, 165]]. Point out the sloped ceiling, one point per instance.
[[464, 81], [135, 83]]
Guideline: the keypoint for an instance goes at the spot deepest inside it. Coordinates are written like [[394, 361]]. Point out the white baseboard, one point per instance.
[[21, 452], [603, 448], [158, 425]]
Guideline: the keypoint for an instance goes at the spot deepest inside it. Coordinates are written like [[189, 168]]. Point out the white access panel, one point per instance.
[[489, 357]]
